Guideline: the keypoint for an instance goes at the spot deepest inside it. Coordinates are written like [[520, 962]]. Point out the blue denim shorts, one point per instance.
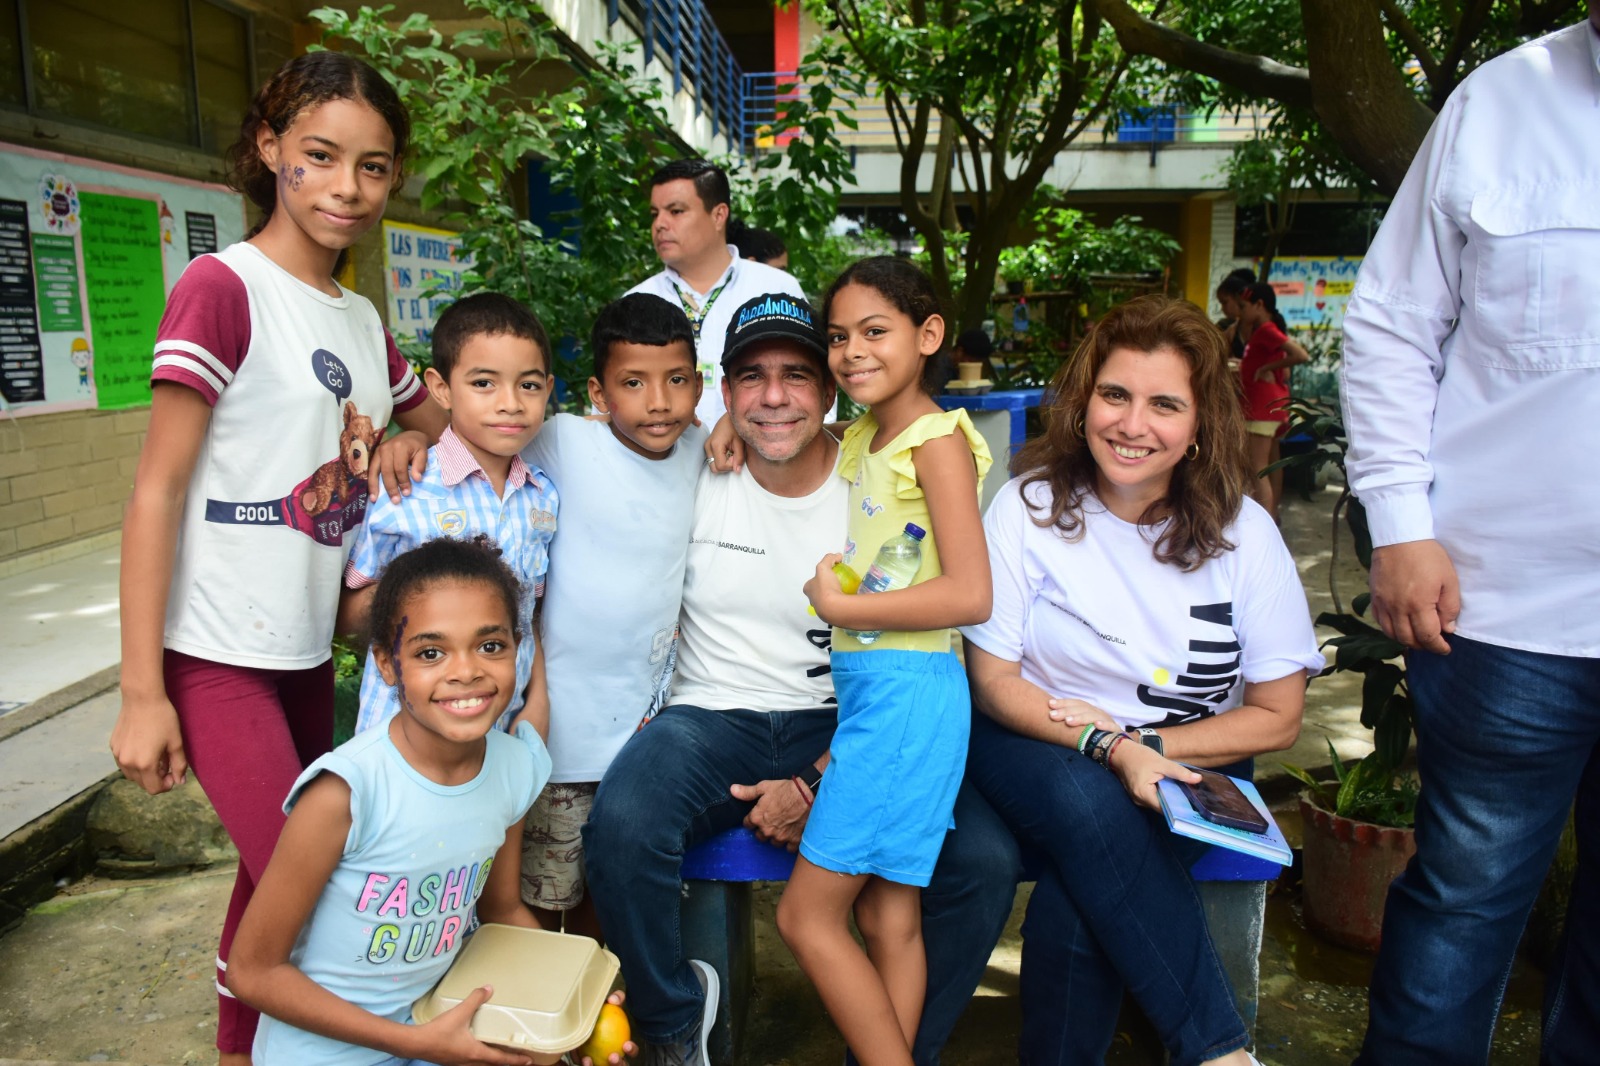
[[896, 764]]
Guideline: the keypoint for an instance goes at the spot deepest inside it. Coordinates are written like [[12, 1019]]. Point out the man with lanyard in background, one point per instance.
[[702, 272]]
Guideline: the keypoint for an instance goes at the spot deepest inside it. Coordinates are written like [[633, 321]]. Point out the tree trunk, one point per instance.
[[1358, 93], [983, 258]]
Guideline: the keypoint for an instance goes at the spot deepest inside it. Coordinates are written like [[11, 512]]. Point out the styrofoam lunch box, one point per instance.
[[548, 989]]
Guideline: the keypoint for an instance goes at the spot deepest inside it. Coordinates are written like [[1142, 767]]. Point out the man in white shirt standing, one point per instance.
[[702, 272], [1472, 398]]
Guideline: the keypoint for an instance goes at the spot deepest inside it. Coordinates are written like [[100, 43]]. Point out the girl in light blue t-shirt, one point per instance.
[[395, 838]]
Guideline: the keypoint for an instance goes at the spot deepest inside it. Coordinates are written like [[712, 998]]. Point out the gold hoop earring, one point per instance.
[[1081, 429], [1192, 452]]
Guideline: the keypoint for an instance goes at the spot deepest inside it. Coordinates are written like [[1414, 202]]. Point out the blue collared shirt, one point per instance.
[[454, 498]]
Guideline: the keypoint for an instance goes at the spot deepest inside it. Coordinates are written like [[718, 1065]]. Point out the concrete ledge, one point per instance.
[[60, 700], [42, 853]]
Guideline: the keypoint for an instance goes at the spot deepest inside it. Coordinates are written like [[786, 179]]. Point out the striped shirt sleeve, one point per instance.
[[205, 332], [404, 384]]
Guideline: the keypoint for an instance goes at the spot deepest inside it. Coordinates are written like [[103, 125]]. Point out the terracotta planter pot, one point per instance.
[[1348, 867]]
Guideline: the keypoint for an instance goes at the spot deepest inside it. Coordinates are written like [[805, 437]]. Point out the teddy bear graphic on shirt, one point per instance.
[[339, 481], [333, 499]]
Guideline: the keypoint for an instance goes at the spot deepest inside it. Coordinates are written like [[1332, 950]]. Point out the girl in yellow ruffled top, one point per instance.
[[882, 810]]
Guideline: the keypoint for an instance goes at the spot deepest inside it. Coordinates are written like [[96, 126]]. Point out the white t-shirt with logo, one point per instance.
[[615, 583], [302, 385], [1100, 620], [747, 641], [743, 281]]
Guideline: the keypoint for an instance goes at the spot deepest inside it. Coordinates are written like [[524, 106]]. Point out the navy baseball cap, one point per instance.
[[775, 316]]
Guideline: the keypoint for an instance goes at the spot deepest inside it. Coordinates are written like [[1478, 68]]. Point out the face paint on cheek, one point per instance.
[[293, 177], [394, 657]]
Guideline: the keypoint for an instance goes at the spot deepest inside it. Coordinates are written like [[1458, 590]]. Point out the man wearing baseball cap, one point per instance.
[[752, 701]]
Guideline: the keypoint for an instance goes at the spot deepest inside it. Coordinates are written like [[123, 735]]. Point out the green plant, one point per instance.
[[481, 112], [1375, 789], [347, 659], [1070, 249], [1365, 792], [981, 97]]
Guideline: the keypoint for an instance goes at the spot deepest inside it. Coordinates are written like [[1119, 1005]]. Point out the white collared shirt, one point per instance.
[[1471, 380], [744, 280]]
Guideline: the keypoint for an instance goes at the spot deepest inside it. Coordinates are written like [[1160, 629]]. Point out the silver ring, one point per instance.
[[711, 460]]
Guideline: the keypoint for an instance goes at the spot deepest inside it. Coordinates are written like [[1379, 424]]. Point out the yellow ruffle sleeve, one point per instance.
[[897, 453]]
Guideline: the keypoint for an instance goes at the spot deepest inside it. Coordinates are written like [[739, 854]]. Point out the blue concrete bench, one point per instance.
[[719, 920]]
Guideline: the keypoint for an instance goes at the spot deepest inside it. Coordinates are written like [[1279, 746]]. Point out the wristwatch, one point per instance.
[[811, 777], [1150, 739]]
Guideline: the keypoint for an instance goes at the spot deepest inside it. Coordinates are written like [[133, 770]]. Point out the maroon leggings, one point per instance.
[[248, 733]]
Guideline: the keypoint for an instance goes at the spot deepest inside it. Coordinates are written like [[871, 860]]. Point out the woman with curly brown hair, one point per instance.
[[1141, 603]]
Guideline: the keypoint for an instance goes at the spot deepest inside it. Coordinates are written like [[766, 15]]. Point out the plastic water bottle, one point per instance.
[[894, 568]]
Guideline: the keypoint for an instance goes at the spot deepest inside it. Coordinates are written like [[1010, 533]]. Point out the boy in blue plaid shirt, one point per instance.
[[491, 371]]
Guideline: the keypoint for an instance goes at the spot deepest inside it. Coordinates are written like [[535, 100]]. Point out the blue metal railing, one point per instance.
[[747, 107], [763, 95], [687, 38]]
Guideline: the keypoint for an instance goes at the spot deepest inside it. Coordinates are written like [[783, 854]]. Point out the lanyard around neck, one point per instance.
[[693, 308]]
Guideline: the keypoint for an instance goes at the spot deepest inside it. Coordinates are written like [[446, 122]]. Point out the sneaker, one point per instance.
[[691, 1051]]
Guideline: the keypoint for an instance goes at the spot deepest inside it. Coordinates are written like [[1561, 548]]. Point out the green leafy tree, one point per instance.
[[1368, 73], [982, 96], [793, 187], [479, 115]]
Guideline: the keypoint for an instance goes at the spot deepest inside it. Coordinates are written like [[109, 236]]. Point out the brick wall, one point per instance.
[[65, 476]]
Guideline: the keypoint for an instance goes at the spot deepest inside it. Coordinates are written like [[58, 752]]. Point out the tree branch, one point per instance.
[[1407, 32], [1251, 73], [1467, 29]]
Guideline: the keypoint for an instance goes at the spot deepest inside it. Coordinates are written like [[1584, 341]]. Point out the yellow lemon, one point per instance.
[[610, 1033], [849, 580]]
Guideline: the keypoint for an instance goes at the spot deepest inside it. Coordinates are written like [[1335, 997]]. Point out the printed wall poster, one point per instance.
[[1313, 290], [423, 269], [88, 253]]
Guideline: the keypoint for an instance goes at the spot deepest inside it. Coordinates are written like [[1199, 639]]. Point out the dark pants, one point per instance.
[[1505, 740], [667, 790], [1114, 908]]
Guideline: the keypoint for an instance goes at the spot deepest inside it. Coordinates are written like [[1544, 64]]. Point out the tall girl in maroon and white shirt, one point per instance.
[[271, 386]]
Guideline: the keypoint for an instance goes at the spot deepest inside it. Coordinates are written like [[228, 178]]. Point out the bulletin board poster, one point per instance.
[[1313, 290], [423, 268], [88, 253]]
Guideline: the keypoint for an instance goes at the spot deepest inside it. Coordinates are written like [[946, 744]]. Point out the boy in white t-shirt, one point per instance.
[[615, 584]]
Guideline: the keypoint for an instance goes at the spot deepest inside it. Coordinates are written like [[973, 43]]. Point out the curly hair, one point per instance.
[[305, 82], [1206, 492], [909, 291], [439, 560]]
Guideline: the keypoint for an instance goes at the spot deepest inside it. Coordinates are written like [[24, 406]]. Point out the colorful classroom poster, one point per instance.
[[88, 253], [1313, 290], [21, 357], [422, 268], [122, 271]]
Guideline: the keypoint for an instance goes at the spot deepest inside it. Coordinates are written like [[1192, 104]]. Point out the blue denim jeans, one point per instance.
[[1506, 740], [668, 790], [1113, 908]]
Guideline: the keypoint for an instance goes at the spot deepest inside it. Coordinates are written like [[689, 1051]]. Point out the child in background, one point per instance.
[[491, 372], [1230, 298], [271, 385], [394, 838], [1264, 370], [884, 803], [610, 624]]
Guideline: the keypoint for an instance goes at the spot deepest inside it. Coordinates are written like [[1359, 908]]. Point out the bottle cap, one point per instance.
[[916, 531]]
